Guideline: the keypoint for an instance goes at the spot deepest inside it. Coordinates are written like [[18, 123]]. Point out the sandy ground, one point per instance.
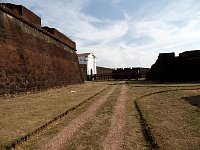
[[114, 139], [66, 134]]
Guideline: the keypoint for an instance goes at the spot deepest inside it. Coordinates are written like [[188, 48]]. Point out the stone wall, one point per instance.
[[83, 68], [60, 36], [24, 12], [126, 73], [32, 59], [104, 71], [169, 68]]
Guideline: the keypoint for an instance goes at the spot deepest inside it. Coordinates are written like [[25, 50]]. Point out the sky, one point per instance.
[[123, 33]]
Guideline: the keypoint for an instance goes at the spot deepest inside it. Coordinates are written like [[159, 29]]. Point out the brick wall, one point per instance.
[[83, 68], [126, 73], [24, 12], [32, 60], [103, 70], [60, 36], [30, 16], [185, 67]]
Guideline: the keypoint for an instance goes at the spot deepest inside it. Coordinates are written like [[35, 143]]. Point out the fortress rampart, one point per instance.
[[169, 68], [32, 57]]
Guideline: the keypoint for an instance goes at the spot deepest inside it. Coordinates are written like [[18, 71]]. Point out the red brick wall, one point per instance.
[[17, 9], [31, 17], [103, 70], [60, 36], [64, 38], [24, 12], [32, 60], [83, 71]]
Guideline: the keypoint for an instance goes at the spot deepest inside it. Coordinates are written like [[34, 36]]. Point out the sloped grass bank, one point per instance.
[[170, 121]]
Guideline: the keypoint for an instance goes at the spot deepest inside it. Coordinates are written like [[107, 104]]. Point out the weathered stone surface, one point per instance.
[[60, 36], [32, 59], [83, 68], [24, 12], [169, 68]]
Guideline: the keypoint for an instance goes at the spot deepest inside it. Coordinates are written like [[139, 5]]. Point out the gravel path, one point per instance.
[[114, 139], [64, 135]]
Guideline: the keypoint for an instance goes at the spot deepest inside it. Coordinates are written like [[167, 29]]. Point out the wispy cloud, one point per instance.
[[143, 29]]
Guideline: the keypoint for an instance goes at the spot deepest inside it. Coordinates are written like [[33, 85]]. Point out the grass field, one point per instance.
[[175, 124], [173, 121], [22, 114]]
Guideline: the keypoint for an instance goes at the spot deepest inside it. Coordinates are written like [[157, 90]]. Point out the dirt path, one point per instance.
[[67, 133], [114, 139], [110, 121]]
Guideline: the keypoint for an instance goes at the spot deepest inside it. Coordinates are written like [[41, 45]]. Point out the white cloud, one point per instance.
[[171, 25], [104, 35], [116, 1]]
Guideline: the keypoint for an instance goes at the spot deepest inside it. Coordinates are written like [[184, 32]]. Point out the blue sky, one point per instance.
[[123, 33]]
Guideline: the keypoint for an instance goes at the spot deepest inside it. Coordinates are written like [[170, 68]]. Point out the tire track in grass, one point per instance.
[[133, 135], [20, 140], [66, 134], [93, 133], [114, 139]]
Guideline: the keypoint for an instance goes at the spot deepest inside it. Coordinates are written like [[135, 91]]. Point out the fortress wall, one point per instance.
[[32, 60], [60, 36], [182, 68], [103, 70], [30, 16], [24, 12]]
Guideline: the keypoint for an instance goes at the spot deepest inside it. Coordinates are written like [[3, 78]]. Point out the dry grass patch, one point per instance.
[[174, 122], [38, 141], [93, 133], [134, 137], [23, 114]]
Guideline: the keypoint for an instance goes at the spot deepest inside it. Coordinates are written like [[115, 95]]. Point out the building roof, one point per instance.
[[85, 54]]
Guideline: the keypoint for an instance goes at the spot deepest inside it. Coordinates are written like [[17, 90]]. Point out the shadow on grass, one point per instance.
[[193, 100]]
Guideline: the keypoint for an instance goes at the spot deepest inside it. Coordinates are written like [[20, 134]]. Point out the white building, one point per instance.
[[88, 59]]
